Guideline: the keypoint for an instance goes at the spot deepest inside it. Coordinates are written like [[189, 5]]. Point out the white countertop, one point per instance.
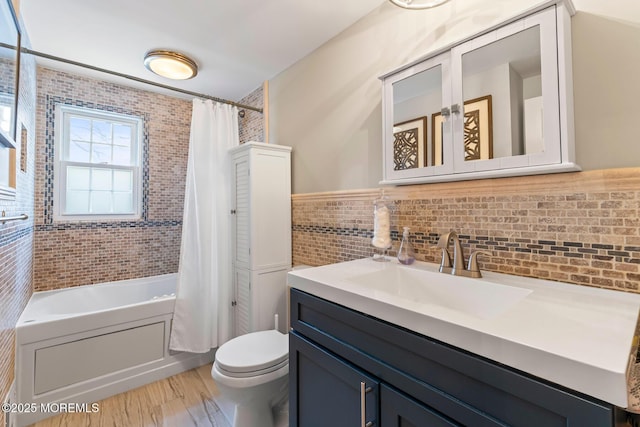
[[575, 336]]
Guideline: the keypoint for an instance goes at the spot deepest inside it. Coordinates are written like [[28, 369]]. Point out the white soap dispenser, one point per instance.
[[406, 255]]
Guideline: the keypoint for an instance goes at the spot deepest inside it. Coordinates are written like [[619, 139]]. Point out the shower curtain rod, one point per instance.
[[127, 76]]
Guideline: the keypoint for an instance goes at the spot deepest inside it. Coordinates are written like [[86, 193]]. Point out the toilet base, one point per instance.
[[280, 412], [263, 404], [253, 415]]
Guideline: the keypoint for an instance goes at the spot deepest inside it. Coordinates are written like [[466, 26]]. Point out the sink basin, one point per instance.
[[474, 297]]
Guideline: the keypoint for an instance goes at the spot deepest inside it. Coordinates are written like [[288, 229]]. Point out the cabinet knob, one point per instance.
[[233, 211]]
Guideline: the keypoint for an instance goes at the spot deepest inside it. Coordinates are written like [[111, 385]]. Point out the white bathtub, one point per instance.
[[80, 345]]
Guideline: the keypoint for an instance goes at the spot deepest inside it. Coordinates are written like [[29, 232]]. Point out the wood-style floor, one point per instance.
[[184, 400]]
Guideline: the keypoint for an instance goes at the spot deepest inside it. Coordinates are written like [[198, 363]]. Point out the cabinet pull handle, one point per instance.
[[363, 405]]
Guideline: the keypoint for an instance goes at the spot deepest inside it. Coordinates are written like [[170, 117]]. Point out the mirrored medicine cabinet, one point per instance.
[[497, 104], [9, 78]]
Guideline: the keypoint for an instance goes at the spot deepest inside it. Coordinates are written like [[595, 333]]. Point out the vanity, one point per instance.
[[384, 344]]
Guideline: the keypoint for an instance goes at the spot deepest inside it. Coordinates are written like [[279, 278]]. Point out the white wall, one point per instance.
[[327, 106]]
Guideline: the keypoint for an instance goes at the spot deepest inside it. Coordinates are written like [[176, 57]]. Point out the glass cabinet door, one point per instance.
[[498, 104], [507, 97], [416, 132]]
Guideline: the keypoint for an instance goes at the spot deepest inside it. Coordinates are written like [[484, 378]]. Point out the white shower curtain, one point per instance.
[[201, 319]]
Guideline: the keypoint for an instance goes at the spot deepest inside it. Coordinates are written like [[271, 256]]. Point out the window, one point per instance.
[[97, 165]]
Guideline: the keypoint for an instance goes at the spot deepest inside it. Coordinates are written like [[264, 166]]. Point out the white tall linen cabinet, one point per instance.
[[261, 227]]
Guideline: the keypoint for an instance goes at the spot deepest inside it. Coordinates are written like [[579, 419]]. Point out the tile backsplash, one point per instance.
[[251, 124], [80, 253], [581, 228], [16, 238]]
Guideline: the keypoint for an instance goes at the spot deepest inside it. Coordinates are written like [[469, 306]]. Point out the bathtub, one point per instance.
[[83, 344]]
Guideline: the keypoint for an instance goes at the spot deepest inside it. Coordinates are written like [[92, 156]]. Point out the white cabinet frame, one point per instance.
[[554, 20]]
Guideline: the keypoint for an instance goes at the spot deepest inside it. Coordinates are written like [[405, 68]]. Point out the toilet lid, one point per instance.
[[253, 352]]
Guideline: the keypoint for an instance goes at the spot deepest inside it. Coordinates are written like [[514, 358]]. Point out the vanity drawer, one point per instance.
[[464, 386]]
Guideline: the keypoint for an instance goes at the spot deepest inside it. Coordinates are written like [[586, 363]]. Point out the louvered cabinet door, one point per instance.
[[242, 301], [261, 206], [241, 212]]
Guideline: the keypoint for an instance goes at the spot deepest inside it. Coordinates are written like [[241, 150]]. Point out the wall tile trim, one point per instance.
[[581, 228], [605, 180]]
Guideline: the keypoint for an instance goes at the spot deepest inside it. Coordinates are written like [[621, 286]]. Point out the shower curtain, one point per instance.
[[201, 319]]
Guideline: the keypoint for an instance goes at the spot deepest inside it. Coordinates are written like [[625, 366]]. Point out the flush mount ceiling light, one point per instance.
[[418, 4], [170, 64]]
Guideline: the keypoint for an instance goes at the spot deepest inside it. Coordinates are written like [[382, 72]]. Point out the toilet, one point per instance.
[[252, 372]]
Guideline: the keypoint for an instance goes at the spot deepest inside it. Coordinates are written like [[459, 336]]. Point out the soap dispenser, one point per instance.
[[405, 253]]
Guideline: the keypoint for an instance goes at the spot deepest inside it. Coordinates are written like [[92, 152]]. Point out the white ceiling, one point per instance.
[[237, 43]]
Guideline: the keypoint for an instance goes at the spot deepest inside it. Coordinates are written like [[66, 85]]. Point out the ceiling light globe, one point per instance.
[[171, 65], [418, 4]]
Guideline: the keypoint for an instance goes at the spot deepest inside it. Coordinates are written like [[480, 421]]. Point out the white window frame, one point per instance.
[[60, 165]]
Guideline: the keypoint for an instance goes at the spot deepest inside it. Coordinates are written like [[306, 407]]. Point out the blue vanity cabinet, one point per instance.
[[414, 380], [340, 390]]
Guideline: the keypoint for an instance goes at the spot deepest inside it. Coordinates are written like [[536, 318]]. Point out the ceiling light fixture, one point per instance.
[[418, 4], [170, 64]]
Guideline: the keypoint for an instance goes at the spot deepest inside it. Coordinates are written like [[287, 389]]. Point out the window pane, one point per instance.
[[101, 132], [77, 202], [123, 203], [100, 202], [5, 118], [80, 129], [122, 180], [78, 178], [4, 171], [79, 151], [93, 142], [101, 179], [122, 134], [100, 153], [121, 155]]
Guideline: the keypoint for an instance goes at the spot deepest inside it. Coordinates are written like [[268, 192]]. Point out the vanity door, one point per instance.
[[416, 133], [326, 390], [400, 410], [506, 87]]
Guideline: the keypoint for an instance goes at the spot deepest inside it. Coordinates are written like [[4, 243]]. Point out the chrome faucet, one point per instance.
[[458, 269]]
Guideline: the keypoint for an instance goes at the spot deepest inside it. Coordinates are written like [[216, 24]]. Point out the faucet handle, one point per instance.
[[445, 262], [473, 266]]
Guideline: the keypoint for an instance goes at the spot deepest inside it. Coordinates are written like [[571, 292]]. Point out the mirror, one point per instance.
[[497, 104], [502, 91], [415, 100], [9, 66], [9, 71]]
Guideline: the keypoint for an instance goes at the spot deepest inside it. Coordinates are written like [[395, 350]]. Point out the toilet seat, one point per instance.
[[253, 354]]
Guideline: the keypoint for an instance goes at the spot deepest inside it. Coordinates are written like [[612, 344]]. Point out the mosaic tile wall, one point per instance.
[[16, 238], [252, 125], [77, 253], [581, 228]]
